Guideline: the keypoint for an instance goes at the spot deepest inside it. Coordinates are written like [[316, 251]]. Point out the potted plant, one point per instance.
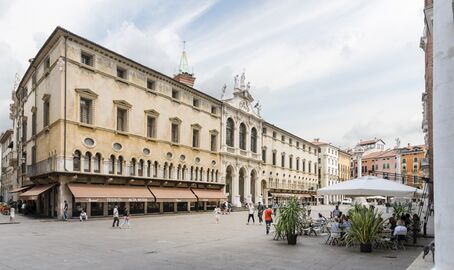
[[365, 227], [290, 221]]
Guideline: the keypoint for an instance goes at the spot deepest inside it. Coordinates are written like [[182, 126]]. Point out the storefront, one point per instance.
[[208, 199], [173, 199], [40, 200]]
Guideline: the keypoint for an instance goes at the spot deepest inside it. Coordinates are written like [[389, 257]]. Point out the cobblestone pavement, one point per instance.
[[192, 241]]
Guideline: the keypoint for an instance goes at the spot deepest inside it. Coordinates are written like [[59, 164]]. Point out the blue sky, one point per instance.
[[340, 71]]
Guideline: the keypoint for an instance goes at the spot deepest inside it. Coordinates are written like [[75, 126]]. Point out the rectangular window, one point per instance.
[[33, 154], [290, 141], [86, 59], [282, 161], [274, 158], [151, 127], [151, 84], [85, 110], [298, 144], [264, 155], [290, 162], [214, 109], [264, 131], [283, 138], [175, 133], [274, 135], [195, 138], [122, 115], [121, 73], [46, 64], [24, 131], [175, 94], [214, 139], [195, 102], [46, 113], [34, 124], [297, 165]]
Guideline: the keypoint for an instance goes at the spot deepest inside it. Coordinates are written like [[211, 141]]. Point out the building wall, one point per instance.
[[411, 168], [344, 166]]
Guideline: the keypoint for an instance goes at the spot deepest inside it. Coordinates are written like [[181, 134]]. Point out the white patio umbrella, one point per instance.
[[370, 186]]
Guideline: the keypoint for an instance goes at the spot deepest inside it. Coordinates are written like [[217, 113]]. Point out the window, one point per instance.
[[175, 94], [112, 164], [120, 165], [87, 162], [195, 137], [274, 158], [86, 59], [297, 164], [297, 144], [290, 162], [46, 113], [97, 163], [151, 126], [274, 134], [34, 79], [214, 109], [121, 73], [304, 165], [254, 140], [290, 141], [34, 123], [283, 161], [213, 143], [34, 154], [141, 166], [24, 131], [122, 115], [264, 131], [133, 167], [283, 138], [404, 161], [175, 133], [264, 154], [309, 166], [46, 64], [196, 102], [230, 128], [85, 110], [243, 136], [76, 161], [415, 160], [151, 84]]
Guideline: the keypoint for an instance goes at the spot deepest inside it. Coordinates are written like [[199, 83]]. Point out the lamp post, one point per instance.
[[359, 151]]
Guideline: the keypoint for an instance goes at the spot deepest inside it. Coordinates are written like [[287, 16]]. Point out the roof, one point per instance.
[[372, 141], [380, 154], [62, 32], [265, 123], [5, 135]]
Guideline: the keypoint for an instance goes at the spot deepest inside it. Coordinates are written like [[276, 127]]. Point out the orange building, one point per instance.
[[411, 157]]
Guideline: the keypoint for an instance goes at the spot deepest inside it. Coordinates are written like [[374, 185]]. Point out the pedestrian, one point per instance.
[[24, 208], [116, 219], [12, 214], [83, 215], [65, 211], [260, 209], [309, 210], [217, 213], [336, 212], [268, 218], [387, 207], [275, 207], [415, 227], [125, 219], [251, 211]]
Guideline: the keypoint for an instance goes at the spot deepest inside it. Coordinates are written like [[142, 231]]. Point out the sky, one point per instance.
[[340, 71]]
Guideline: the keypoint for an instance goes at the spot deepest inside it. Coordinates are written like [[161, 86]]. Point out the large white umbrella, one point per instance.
[[370, 186]]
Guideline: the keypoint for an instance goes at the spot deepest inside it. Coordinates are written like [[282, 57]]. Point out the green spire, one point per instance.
[[184, 67]]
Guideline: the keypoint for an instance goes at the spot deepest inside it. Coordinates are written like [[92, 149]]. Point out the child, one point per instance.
[[217, 213], [12, 214], [125, 219]]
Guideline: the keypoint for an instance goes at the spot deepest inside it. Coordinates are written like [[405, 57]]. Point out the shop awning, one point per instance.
[[303, 195], [205, 195], [33, 193], [283, 195], [173, 194], [19, 189], [110, 193]]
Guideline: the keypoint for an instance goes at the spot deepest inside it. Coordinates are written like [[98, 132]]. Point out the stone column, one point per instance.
[[63, 194], [105, 210], [236, 189], [145, 208], [161, 207], [247, 188], [443, 131], [88, 210]]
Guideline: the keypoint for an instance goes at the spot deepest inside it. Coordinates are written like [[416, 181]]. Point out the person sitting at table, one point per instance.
[[346, 223], [400, 229], [335, 226], [392, 222]]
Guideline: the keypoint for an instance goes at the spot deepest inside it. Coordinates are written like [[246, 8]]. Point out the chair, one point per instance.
[[399, 241]]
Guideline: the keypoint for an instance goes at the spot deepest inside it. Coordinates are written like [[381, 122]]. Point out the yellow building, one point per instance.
[[344, 165]]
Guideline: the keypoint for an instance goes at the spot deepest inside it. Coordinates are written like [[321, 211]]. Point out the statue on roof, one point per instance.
[[236, 81], [243, 78], [248, 86], [224, 88]]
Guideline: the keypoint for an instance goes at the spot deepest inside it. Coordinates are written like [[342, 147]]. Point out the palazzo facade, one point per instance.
[[96, 129]]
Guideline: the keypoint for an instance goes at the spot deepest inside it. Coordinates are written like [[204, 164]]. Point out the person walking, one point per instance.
[[125, 219], [309, 210], [65, 211], [251, 211], [12, 214], [116, 219], [260, 209], [217, 213], [268, 218]]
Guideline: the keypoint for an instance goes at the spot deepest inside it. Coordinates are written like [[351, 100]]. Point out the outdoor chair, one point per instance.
[[399, 242]]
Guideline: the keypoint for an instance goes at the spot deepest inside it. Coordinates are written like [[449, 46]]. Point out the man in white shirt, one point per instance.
[[251, 211], [115, 216]]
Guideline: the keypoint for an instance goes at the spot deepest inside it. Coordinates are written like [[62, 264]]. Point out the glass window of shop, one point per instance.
[[97, 209], [137, 207], [111, 205], [152, 207], [211, 205], [182, 207], [168, 207], [77, 207]]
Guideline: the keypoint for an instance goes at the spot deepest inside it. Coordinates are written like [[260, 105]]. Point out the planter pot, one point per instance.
[[366, 248], [291, 239]]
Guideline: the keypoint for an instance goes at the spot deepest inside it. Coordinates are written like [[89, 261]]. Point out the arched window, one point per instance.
[[230, 129], [156, 165], [120, 165], [183, 173], [112, 164], [141, 164], [179, 172], [217, 176], [97, 163], [148, 168], [254, 140], [76, 161], [212, 176], [243, 136], [171, 171], [201, 174], [87, 162], [164, 171], [309, 166], [133, 167], [208, 175], [196, 173], [192, 173]]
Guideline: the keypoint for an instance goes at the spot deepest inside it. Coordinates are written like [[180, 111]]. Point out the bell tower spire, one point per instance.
[[183, 75]]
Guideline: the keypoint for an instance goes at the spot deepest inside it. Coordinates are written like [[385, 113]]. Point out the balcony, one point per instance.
[[39, 168], [424, 163]]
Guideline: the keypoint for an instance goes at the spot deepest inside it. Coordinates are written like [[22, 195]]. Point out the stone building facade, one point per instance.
[[98, 129], [329, 167]]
